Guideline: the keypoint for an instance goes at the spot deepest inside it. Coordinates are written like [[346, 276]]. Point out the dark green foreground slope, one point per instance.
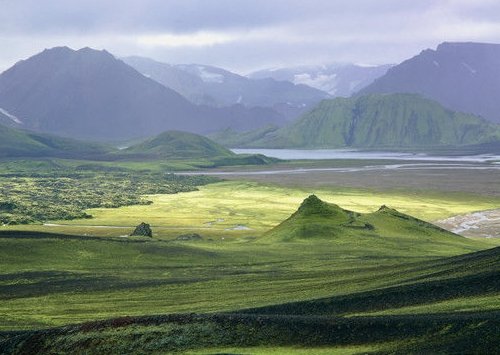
[[311, 324]]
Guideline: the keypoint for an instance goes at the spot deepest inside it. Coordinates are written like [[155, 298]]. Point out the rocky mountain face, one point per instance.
[[461, 76]]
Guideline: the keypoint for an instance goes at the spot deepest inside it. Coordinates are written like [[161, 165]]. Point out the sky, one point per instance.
[[246, 35]]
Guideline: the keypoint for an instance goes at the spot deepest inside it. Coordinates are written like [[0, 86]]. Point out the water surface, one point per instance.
[[319, 154]]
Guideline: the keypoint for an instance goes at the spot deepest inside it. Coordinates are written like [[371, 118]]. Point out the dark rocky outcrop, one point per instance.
[[142, 230]]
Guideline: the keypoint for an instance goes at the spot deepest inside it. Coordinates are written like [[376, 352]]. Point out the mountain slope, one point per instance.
[[90, 94], [16, 143], [381, 121], [468, 275], [203, 84], [461, 76], [180, 145], [337, 79]]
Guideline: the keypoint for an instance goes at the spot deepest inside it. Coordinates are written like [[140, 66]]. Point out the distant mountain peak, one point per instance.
[[209, 85], [88, 93], [92, 51], [462, 76], [464, 45], [338, 79], [58, 49]]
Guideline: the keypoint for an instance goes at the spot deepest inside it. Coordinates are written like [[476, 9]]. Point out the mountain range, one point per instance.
[[90, 94], [208, 85], [461, 76], [336, 79], [372, 121]]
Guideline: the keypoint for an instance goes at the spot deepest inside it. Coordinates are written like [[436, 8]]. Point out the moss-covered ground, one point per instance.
[[356, 294], [238, 208]]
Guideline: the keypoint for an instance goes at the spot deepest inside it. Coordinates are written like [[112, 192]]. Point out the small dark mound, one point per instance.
[[189, 237], [142, 230]]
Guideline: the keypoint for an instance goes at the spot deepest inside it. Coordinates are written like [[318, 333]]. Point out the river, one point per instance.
[[320, 154]]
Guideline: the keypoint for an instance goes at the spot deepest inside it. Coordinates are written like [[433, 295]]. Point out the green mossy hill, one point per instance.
[[316, 219], [20, 143], [182, 145], [379, 121], [379, 231], [313, 206]]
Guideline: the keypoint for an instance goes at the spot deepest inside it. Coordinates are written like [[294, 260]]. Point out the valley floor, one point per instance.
[[85, 270]]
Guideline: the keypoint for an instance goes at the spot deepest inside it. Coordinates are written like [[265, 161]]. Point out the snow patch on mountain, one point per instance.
[[208, 76], [10, 116], [469, 68], [325, 82]]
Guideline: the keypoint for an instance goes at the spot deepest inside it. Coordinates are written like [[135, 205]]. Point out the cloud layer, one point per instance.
[[246, 34]]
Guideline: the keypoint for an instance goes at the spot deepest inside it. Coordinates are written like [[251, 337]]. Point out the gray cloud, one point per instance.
[[246, 34], [52, 16]]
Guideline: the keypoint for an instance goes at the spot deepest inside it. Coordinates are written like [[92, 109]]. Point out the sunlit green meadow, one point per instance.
[[237, 208], [227, 271], [53, 280]]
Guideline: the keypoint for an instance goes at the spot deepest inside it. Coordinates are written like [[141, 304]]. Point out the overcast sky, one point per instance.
[[244, 35]]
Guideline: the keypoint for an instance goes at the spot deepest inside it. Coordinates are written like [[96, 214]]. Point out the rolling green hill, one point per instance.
[[465, 276], [385, 230], [376, 121], [195, 150], [15, 142], [182, 145], [349, 322]]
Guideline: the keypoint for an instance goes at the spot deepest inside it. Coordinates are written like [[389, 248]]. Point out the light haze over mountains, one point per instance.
[[90, 94]]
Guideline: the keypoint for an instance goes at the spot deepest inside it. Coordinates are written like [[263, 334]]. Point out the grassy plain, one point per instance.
[[52, 280], [218, 209], [49, 280]]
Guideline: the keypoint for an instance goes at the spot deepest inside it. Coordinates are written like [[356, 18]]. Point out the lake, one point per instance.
[[319, 154]]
